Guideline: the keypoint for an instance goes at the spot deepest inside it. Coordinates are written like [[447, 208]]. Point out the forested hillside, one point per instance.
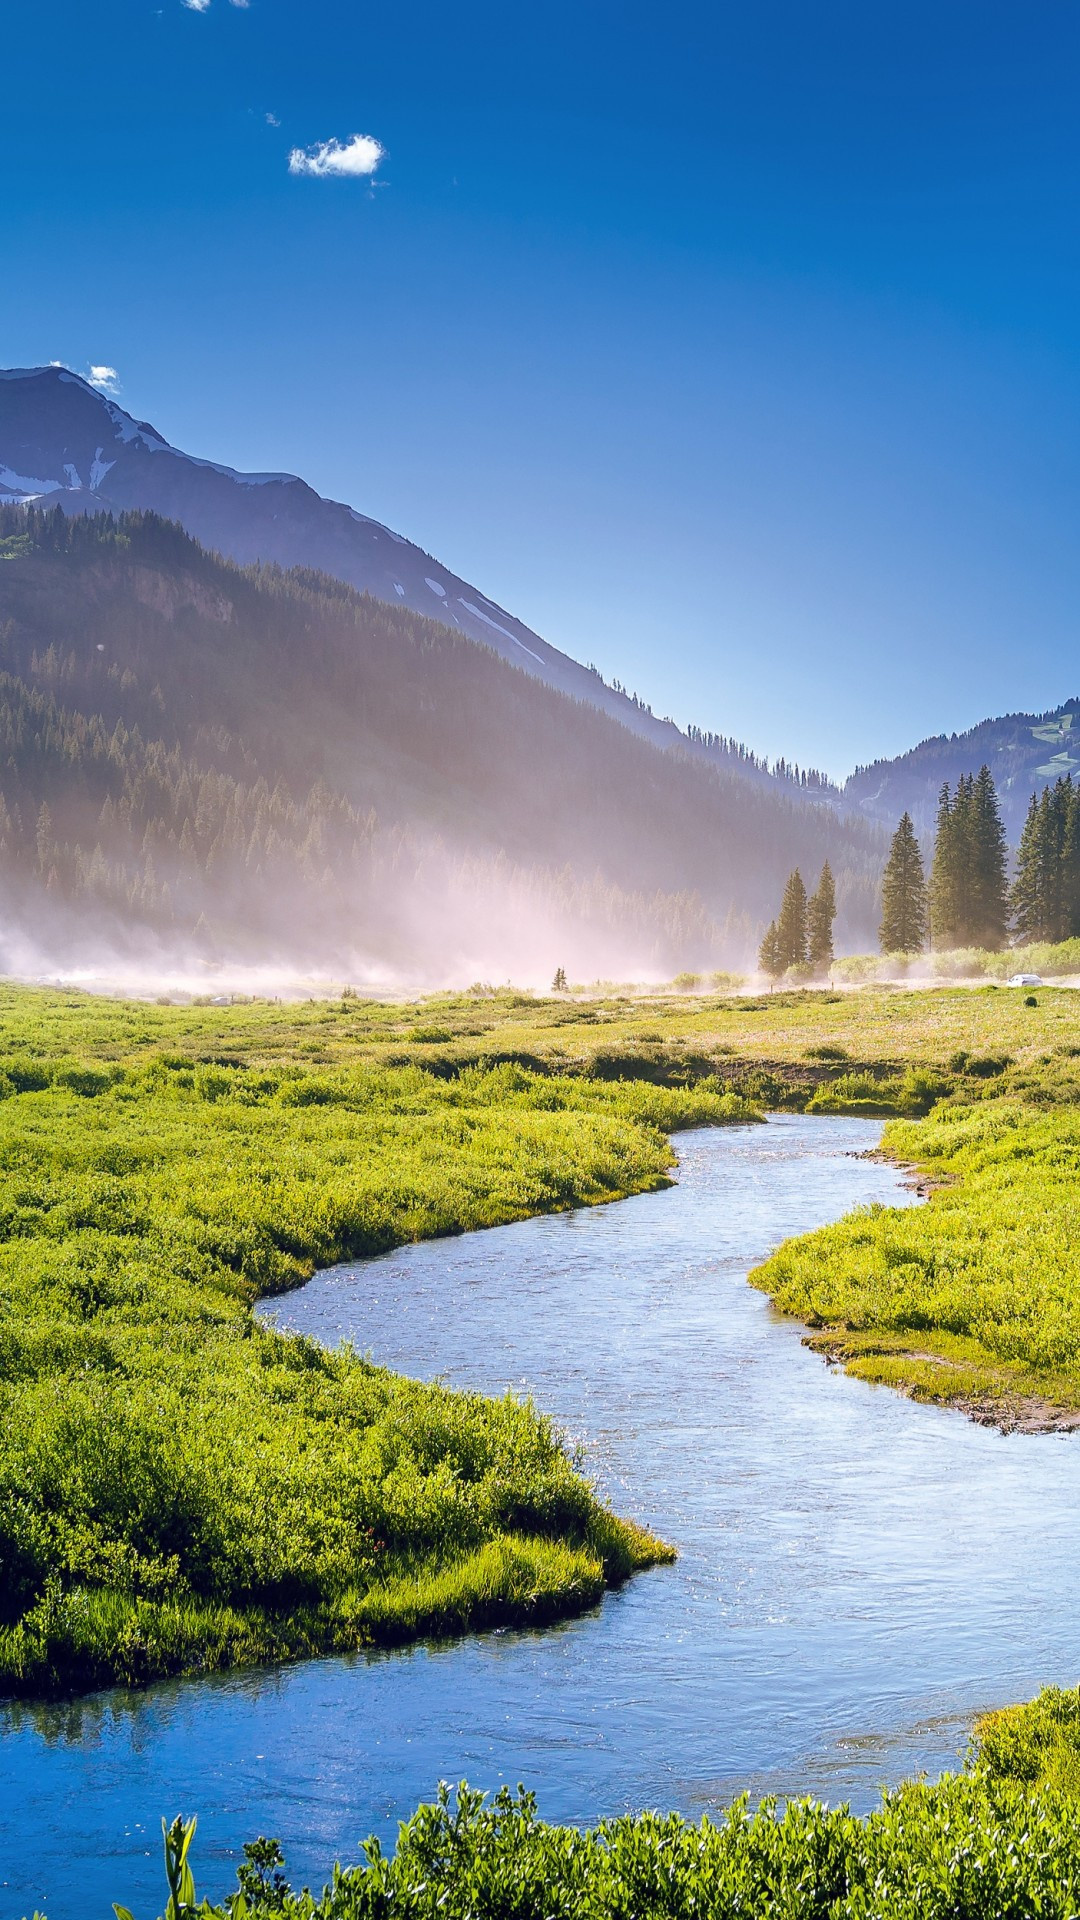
[[66, 444], [1025, 752], [268, 764]]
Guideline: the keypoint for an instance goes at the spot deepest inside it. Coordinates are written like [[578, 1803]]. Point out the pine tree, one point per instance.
[[769, 955], [1070, 865], [820, 914], [903, 894], [791, 928], [988, 893], [944, 887], [968, 883], [1026, 898], [1045, 895]]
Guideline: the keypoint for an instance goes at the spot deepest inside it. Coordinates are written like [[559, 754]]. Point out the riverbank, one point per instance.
[[999, 1839], [973, 1301], [970, 1847]]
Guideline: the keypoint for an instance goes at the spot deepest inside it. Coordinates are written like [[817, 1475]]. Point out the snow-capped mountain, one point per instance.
[[65, 443]]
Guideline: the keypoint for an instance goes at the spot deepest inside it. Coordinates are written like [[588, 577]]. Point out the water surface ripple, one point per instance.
[[857, 1574]]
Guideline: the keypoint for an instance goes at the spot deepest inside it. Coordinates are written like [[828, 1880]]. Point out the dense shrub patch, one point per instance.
[[969, 1848]]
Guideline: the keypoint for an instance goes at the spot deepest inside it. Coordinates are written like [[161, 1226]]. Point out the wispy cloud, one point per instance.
[[106, 379], [196, 6], [352, 159], [272, 120]]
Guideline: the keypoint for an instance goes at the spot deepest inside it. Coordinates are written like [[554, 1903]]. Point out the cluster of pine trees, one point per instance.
[[1046, 891], [801, 936], [968, 901]]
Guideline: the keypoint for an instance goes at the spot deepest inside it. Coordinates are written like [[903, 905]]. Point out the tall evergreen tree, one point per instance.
[[1045, 896], [944, 877], [968, 881], [769, 955], [1070, 864], [791, 927], [987, 866], [903, 894], [820, 914], [1027, 900]]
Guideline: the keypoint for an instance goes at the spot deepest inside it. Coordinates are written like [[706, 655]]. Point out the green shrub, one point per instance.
[[968, 1848]]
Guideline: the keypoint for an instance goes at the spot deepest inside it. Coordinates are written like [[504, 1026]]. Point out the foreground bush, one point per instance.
[[1037, 1743], [968, 1848]]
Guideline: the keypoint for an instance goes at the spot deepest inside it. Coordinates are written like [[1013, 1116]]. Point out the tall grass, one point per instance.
[[181, 1488]]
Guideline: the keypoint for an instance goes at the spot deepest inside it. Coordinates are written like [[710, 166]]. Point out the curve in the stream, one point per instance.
[[857, 1574]]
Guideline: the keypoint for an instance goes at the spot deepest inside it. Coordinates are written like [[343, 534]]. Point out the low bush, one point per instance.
[[968, 1848]]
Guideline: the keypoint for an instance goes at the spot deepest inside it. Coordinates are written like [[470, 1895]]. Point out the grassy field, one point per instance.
[[673, 1038], [181, 1488], [974, 1299]]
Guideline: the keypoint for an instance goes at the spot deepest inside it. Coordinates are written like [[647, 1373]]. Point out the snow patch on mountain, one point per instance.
[[22, 483], [479, 614], [99, 467]]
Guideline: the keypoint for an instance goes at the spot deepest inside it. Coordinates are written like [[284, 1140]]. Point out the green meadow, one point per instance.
[[182, 1488]]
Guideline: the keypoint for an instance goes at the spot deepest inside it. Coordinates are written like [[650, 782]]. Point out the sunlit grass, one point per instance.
[[182, 1488]]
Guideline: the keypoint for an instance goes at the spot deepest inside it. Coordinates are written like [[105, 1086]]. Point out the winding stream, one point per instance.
[[857, 1575]]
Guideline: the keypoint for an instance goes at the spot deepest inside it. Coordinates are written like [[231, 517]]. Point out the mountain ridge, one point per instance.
[[65, 443]]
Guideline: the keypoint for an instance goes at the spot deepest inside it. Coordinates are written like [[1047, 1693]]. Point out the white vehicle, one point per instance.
[[1026, 980]]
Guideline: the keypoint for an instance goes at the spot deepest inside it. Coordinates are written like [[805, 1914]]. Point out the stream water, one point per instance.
[[857, 1577]]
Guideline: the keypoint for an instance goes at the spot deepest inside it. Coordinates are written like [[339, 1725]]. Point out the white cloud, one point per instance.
[[105, 379], [352, 159], [272, 120], [197, 6]]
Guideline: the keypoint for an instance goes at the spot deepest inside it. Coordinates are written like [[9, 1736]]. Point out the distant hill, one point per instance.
[[1024, 751], [63, 443], [269, 764]]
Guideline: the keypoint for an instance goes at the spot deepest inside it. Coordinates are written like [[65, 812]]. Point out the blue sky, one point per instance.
[[735, 348]]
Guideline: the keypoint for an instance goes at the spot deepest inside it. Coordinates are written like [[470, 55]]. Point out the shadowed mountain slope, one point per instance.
[[64, 443], [265, 762]]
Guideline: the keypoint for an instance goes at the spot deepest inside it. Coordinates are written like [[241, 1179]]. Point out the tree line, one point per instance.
[[967, 900], [265, 756], [801, 936]]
